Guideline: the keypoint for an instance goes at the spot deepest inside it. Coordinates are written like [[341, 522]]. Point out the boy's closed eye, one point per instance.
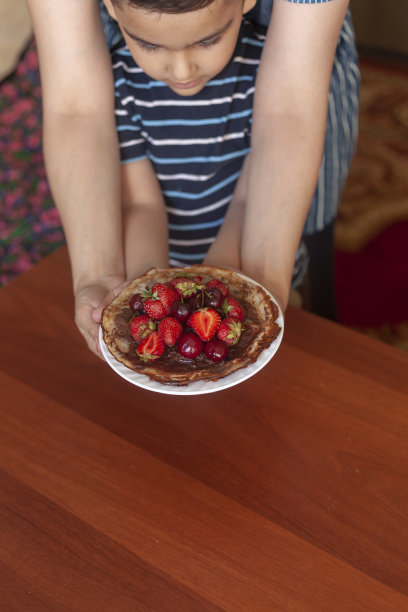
[[209, 42], [202, 43], [147, 46]]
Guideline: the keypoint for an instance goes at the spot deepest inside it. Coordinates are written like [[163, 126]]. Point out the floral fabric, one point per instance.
[[30, 226]]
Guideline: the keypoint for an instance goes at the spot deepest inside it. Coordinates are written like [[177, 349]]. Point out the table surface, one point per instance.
[[286, 492]]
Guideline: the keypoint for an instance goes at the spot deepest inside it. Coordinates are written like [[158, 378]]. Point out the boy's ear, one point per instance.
[[109, 7], [248, 5]]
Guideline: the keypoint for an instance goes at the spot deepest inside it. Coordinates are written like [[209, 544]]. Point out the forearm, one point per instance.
[[82, 162], [226, 249], [144, 219], [283, 172], [146, 239], [263, 225]]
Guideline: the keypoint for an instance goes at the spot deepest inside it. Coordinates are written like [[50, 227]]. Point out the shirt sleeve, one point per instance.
[[132, 144]]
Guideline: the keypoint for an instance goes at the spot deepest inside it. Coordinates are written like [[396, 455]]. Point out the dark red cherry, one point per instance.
[[190, 345], [197, 301], [213, 298], [181, 311], [216, 350], [136, 302]]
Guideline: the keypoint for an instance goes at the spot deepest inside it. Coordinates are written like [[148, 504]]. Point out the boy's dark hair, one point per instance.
[[165, 6]]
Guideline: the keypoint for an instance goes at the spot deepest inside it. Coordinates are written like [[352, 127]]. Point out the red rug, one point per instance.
[[372, 285]]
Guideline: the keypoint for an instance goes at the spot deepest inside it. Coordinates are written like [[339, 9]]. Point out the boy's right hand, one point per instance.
[[90, 300]]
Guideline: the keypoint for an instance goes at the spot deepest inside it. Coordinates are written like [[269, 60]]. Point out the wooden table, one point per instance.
[[287, 492]]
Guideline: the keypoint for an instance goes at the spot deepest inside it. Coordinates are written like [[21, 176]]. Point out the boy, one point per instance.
[[184, 87]]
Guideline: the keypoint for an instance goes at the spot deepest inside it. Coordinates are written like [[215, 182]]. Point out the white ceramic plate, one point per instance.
[[197, 387]]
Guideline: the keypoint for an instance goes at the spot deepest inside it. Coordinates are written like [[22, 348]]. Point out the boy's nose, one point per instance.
[[182, 67]]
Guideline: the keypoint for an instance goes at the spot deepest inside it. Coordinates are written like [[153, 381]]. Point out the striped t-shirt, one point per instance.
[[197, 144]]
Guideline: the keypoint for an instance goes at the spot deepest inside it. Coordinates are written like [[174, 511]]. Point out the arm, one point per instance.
[[225, 250], [80, 147], [145, 219], [290, 112]]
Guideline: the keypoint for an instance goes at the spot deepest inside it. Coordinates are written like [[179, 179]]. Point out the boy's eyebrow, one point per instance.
[[217, 32]]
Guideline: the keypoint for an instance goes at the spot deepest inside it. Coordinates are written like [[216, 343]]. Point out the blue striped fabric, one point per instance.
[[111, 29], [341, 132], [196, 144]]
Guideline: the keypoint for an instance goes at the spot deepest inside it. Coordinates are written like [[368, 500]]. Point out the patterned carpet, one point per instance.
[[371, 232], [29, 223]]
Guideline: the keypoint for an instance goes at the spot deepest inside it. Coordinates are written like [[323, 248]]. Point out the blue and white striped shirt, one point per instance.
[[197, 144]]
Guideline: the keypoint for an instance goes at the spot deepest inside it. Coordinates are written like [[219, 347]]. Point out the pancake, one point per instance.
[[260, 328]]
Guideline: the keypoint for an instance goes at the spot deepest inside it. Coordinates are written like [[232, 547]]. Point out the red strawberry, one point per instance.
[[141, 326], [186, 287], [205, 323], [151, 348], [170, 330], [232, 308], [219, 285], [229, 331], [155, 308], [166, 294]]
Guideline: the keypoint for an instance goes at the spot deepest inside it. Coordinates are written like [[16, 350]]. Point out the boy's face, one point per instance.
[[183, 50]]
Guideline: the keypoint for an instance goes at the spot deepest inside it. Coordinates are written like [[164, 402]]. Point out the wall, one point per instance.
[[381, 24]]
